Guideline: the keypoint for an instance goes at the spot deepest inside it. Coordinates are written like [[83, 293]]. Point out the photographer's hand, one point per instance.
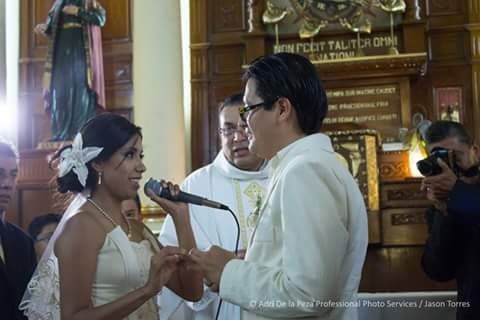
[[441, 184], [438, 204]]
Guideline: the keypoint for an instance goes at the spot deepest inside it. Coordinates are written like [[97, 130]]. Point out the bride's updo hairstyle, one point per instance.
[[108, 131]]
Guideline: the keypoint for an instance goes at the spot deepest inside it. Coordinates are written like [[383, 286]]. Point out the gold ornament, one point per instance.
[[274, 15], [392, 6], [311, 28], [357, 25]]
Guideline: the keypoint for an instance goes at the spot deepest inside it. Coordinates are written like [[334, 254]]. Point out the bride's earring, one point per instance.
[[99, 178]]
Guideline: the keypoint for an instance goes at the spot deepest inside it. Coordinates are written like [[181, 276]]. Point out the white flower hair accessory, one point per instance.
[[76, 158]]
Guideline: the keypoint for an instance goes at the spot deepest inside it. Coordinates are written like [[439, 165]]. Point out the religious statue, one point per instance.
[[73, 82]]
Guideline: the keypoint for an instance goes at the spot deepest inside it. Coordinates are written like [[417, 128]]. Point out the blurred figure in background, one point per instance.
[[17, 256], [132, 208], [41, 230]]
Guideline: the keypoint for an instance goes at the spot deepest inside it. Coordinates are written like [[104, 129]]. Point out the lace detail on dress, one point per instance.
[[143, 252], [41, 300], [43, 293]]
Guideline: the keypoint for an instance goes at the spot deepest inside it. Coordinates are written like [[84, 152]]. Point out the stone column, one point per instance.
[[158, 96]]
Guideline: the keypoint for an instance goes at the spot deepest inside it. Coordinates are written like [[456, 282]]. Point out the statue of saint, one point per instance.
[[73, 81]]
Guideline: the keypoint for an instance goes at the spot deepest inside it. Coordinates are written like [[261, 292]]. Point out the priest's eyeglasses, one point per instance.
[[230, 130], [245, 111]]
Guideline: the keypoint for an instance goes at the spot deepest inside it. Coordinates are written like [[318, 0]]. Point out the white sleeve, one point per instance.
[[168, 303], [314, 243], [203, 243], [167, 300], [168, 234]]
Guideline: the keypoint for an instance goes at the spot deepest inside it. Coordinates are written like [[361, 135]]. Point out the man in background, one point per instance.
[[132, 208], [452, 250], [41, 230], [236, 178], [17, 256]]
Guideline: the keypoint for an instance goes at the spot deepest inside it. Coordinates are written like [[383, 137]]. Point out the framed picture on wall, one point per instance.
[[448, 104]]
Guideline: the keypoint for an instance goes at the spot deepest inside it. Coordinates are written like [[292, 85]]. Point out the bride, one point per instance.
[[99, 264]]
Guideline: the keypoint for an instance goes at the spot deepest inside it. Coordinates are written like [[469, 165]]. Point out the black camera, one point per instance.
[[429, 166]]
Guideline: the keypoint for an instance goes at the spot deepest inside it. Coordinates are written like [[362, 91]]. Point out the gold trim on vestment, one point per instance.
[[70, 25]]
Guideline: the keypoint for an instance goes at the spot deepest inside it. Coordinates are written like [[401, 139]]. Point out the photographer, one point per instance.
[[452, 250]]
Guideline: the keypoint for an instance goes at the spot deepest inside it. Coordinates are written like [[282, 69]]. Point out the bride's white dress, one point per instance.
[[123, 266]]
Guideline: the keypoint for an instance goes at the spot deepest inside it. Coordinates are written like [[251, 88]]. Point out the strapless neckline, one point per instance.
[[119, 230]]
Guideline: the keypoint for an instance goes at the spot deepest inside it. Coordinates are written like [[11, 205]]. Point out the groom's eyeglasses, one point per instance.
[[246, 110]]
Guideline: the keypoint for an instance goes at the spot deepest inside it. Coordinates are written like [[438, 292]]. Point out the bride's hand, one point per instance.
[[162, 265]]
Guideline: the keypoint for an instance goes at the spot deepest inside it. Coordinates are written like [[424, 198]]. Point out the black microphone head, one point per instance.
[[156, 187]]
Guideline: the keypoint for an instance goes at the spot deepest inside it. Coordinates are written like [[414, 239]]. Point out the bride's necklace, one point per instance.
[[105, 214]]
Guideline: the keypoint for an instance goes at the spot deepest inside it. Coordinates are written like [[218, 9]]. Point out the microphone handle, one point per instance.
[[180, 197], [190, 198]]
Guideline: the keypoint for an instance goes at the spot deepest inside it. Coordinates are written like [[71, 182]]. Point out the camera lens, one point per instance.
[[429, 166], [425, 167]]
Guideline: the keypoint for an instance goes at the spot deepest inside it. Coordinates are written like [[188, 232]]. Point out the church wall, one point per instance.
[[157, 76]]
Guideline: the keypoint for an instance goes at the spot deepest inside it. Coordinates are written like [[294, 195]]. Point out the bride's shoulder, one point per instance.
[[83, 219], [81, 230]]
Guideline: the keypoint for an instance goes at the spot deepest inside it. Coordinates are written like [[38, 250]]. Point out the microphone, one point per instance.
[[156, 187]]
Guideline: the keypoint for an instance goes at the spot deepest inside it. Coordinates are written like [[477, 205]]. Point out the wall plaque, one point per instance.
[[368, 105]]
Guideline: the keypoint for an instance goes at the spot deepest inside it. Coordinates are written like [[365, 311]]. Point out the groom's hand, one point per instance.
[[211, 263]]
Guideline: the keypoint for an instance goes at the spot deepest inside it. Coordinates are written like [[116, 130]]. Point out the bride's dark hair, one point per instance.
[[108, 131]]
